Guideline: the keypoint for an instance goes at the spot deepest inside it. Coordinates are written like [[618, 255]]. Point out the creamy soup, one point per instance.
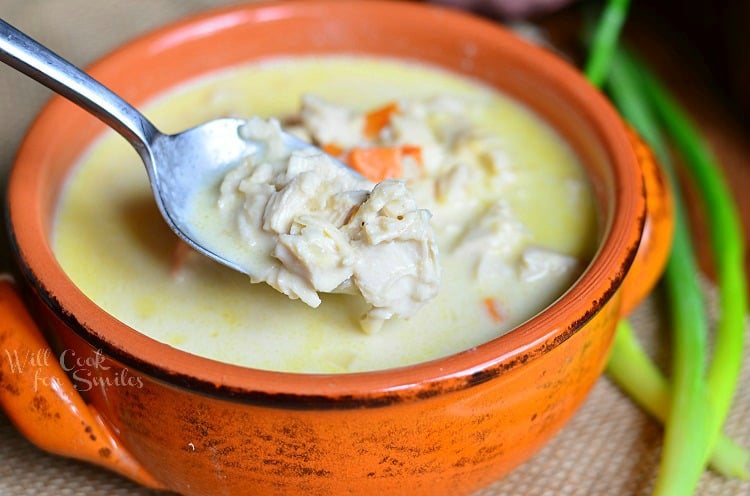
[[511, 209]]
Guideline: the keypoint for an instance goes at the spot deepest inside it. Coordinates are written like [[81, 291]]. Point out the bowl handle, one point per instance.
[[42, 402], [656, 240]]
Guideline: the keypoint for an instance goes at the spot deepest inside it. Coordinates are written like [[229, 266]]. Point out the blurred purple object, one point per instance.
[[510, 9]]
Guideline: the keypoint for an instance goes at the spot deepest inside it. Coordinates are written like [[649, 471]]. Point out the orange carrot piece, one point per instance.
[[333, 149], [377, 119], [180, 256], [376, 163], [493, 309], [414, 152]]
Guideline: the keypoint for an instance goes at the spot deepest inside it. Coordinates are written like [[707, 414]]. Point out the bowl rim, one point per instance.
[[548, 329]]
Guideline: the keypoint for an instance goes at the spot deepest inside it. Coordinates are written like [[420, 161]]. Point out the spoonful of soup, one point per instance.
[[305, 222]]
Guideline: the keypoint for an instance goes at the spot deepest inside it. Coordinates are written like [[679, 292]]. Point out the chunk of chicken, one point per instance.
[[322, 230]]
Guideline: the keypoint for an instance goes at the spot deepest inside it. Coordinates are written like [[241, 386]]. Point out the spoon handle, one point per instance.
[[46, 67]]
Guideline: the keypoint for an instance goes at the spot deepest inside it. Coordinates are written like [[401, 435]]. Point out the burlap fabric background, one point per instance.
[[609, 448]]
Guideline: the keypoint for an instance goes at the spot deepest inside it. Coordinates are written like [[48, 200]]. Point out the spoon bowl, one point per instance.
[[178, 165], [181, 165]]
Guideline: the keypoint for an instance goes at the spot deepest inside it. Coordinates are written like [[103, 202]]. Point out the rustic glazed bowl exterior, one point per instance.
[[100, 391]]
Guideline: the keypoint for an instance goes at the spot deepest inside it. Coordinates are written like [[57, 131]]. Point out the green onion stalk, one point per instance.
[[686, 435], [604, 41], [727, 246], [695, 406], [635, 373]]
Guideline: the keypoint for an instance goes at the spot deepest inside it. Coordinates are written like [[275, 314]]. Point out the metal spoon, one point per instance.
[[178, 165]]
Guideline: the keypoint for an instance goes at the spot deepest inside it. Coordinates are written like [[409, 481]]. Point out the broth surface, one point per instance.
[[112, 242]]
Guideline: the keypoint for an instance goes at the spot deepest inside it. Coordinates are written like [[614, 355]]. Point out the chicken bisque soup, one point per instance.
[[470, 198]]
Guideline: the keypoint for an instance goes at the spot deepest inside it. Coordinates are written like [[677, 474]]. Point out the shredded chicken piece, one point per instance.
[[324, 230]]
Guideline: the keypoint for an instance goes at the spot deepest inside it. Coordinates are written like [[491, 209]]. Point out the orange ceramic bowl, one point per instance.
[[173, 420]]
